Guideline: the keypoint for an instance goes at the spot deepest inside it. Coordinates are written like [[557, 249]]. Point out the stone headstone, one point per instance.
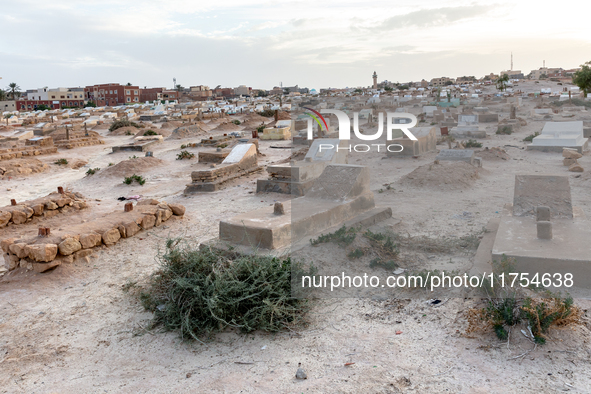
[[466, 155], [552, 191], [467, 120], [323, 149], [239, 153], [340, 183]]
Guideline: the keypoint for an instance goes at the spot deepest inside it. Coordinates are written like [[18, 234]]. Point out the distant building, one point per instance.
[[112, 94], [53, 98], [443, 81], [153, 94], [276, 91], [200, 92], [513, 74], [7, 106], [243, 90]]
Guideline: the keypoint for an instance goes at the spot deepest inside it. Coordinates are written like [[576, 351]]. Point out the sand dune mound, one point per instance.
[[130, 167], [447, 175], [493, 154], [186, 132], [227, 127], [20, 167], [127, 130], [171, 124]]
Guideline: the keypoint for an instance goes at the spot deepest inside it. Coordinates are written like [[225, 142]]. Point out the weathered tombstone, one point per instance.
[[551, 191], [466, 155]]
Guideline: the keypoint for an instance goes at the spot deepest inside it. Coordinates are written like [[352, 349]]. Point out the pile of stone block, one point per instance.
[[46, 207], [297, 177], [341, 193], [570, 159], [33, 147], [48, 249], [73, 139], [241, 161]]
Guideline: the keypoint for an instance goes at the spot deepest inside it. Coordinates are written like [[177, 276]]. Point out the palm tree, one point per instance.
[[502, 82], [7, 116], [14, 89]]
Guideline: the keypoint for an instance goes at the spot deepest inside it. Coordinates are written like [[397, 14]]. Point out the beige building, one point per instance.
[[441, 81], [8, 105]]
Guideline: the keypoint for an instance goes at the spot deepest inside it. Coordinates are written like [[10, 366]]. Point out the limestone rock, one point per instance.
[[63, 202], [568, 162], [38, 209], [50, 205], [177, 209], [10, 261], [42, 267], [42, 252], [148, 221], [19, 249], [90, 240], [69, 246], [5, 244], [110, 237], [28, 211], [19, 217], [4, 218], [576, 168], [131, 229], [571, 154], [82, 254], [166, 214]]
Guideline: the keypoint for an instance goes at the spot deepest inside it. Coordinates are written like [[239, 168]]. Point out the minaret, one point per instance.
[[375, 80]]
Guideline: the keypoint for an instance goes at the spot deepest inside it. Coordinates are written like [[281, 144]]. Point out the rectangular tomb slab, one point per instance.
[[339, 194], [550, 191], [466, 155]]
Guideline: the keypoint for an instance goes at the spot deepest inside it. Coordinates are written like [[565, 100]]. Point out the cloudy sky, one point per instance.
[[262, 43]]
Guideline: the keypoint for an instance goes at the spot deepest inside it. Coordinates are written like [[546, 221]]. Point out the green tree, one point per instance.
[[502, 82], [285, 90], [14, 89], [388, 89], [261, 93], [43, 107], [179, 88], [7, 116], [582, 78], [3, 95], [128, 83], [90, 104]]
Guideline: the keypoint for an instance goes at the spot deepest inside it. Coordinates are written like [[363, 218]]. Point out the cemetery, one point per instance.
[[240, 194]]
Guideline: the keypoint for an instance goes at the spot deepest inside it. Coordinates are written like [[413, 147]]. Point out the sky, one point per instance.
[[261, 44]]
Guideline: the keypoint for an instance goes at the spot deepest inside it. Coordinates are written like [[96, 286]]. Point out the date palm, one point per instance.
[[13, 89]]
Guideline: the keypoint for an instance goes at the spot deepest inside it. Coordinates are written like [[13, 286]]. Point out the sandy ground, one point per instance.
[[75, 330]]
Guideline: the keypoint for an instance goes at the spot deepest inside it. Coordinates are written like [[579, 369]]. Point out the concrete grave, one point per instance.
[[466, 155], [543, 233], [241, 161], [467, 127], [426, 142], [297, 178], [558, 135], [339, 194], [549, 191]]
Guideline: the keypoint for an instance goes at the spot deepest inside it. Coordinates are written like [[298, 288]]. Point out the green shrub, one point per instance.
[[342, 236], [92, 171], [472, 144], [139, 179], [61, 162], [185, 155], [267, 113], [504, 130], [530, 137], [150, 132], [122, 123], [236, 122], [200, 291]]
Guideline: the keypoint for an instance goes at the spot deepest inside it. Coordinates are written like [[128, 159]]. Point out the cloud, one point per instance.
[[431, 17]]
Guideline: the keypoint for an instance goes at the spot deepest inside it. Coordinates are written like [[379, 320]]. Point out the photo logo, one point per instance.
[[345, 124]]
